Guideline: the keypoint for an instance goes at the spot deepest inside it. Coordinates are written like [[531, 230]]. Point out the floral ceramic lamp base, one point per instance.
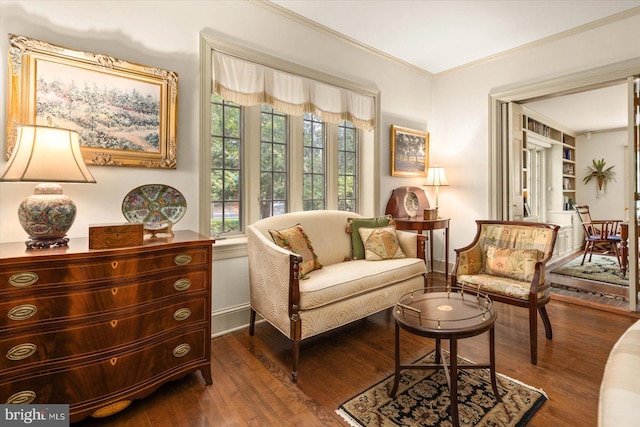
[[46, 216]]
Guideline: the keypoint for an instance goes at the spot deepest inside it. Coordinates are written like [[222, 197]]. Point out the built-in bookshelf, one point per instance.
[[568, 171], [549, 178], [560, 145]]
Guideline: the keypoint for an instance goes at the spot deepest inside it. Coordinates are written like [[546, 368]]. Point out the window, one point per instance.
[[313, 196], [536, 151], [226, 160], [273, 162], [347, 167], [255, 159]]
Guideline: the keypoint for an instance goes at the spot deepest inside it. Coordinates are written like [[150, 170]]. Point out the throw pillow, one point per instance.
[[354, 224], [517, 264], [296, 240], [380, 243]]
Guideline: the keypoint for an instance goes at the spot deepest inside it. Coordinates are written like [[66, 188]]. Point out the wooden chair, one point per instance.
[[507, 260], [599, 235]]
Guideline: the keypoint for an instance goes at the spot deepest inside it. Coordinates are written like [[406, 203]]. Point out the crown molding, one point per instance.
[[568, 33], [332, 33], [353, 42]]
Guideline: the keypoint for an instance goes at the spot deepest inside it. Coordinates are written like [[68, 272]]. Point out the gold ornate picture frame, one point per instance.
[[125, 113], [409, 152]]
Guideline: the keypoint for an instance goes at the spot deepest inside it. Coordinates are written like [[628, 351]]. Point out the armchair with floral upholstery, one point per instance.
[[507, 260]]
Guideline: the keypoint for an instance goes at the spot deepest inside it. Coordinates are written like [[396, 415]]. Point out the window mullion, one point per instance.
[[251, 187], [331, 153], [296, 153]]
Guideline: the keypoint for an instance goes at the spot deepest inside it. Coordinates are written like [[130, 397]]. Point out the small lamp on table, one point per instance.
[[436, 178]]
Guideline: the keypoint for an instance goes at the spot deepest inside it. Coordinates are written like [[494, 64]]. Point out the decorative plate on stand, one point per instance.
[[156, 206], [411, 204]]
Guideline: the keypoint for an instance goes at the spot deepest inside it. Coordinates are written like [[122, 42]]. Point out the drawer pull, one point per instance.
[[22, 397], [22, 312], [182, 259], [22, 280], [113, 361], [182, 284], [111, 409], [113, 323], [182, 314], [114, 264], [21, 351], [181, 350]]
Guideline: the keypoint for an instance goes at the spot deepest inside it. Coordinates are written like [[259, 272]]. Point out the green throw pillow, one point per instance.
[[354, 224]]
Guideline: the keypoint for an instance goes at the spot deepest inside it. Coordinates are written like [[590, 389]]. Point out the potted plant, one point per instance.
[[598, 172]]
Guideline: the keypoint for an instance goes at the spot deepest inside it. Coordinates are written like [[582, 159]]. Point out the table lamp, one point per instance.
[[436, 178], [47, 155]]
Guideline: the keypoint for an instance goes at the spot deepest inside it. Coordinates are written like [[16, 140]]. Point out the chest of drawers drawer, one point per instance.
[[101, 334], [98, 298], [133, 367], [41, 275]]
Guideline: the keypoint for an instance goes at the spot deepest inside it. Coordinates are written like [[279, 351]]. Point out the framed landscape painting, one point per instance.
[[125, 113], [409, 152]]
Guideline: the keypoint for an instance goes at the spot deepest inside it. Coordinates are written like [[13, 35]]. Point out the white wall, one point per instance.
[[460, 131], [165, 34], [612, 147]]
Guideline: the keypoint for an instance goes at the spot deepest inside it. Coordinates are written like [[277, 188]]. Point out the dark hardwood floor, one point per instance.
[[252, 385]]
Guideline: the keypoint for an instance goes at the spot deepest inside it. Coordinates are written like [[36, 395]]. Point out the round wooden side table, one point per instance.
[[449, 314]]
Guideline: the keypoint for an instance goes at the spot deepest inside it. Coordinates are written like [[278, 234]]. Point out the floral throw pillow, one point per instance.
[[296, 240], [354, 224], [380, 243], [517, 264]]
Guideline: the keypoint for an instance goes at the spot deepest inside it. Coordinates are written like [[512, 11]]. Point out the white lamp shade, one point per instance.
[[46, 154], [436, 177]]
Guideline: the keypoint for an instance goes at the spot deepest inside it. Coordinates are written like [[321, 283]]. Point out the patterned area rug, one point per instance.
[[423, 400], [568, 290], [602, 268]]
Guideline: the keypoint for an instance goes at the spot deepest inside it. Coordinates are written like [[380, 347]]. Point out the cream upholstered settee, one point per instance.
[[620, 387], [340, 292]]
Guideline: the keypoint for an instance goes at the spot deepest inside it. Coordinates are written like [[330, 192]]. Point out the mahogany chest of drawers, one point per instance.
[[96, 329]]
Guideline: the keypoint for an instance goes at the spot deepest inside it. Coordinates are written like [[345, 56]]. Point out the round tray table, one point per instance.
[[449, 314]]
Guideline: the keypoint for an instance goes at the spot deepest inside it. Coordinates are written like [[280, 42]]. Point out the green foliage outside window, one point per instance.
[[226, 152]]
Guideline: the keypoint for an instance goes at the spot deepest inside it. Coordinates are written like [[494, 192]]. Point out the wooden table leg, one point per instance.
[[624, 247], [446, 254], [453, 363], [396, 379], [492, 364], [431, 249]]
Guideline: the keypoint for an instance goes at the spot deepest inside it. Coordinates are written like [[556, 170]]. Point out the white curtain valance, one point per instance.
[[248, 83]]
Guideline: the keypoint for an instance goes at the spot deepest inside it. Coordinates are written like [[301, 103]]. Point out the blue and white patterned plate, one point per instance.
[[156, 206]]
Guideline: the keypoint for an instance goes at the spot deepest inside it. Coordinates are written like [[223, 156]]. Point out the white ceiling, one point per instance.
[[596, 110], [437, 36]]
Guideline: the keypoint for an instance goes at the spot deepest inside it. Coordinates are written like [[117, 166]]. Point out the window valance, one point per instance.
[[248, 83]]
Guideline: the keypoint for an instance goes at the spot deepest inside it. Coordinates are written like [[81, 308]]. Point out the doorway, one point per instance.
[[500, 153]]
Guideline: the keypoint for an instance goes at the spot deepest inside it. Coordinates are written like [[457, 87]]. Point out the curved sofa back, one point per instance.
[[325, 229]]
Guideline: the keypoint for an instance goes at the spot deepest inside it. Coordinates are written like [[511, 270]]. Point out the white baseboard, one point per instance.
[[230, 319]]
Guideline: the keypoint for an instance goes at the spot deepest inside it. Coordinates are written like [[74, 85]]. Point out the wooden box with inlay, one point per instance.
[[109, 236]]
